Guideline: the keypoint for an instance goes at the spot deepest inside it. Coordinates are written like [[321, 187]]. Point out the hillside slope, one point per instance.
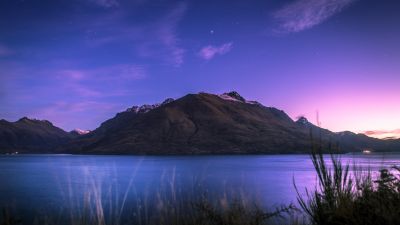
[[210, 124], [31, 136]]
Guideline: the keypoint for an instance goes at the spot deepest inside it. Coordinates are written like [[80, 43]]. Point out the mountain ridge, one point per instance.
[[31, 136], [206, 123], [200, 123]]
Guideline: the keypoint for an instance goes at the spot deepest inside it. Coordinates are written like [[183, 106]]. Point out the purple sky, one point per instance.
[[79, 62]]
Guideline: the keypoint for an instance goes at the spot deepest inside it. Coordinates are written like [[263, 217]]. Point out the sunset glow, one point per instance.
[[200, 112], [59, 62]]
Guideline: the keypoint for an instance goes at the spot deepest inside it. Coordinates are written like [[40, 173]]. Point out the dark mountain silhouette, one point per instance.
[[347, 141], [30, 136], [213, 124], [194, 124]]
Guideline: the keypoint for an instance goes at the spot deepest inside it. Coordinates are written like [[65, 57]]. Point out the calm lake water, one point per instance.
[[38, 183]]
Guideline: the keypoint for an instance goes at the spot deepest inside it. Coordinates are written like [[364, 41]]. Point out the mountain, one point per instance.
[[30, 136], [200, 123], [348, 141], [212, 124], [197, 124]]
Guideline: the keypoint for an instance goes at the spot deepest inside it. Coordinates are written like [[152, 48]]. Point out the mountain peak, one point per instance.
[[303, 121], [344, 133], [24, 119], [168, 100], [28, 120], [236, 97], [233, 96]]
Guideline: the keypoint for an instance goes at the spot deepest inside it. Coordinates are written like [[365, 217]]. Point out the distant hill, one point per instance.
[[348, 141], [31, 136], [194, 124]]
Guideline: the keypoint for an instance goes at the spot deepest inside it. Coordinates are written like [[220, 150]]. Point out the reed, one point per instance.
[[170, 204], [354, 198]]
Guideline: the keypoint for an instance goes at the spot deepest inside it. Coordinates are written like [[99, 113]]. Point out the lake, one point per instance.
[[32, 184]]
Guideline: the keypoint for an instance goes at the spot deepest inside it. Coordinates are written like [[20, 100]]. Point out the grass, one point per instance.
[[7, 218], [344, 197], [169, 205], [201, 212]]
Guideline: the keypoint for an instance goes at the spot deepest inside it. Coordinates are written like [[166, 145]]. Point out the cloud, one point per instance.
[[115, 3], [83, 81], [305, 14], [105, 3], [155, 37], [115, 72], [75, 107], [167, 32], [71, 97], [70, 115], [18, 81], [210, 51], [383, 133], [159, 39]]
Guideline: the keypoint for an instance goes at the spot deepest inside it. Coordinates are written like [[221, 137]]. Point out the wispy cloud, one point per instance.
[[75, 107], [383, 133], [71, 115], [105, 3], [20, 81], [114, 3], [210, 51], [81, 81], [154, 38], [115, 72], [72, 97], [167, 32], [304, 14]]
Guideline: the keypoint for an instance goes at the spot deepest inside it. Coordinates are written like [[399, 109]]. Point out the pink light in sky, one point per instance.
[[357, 111], [383, 133]]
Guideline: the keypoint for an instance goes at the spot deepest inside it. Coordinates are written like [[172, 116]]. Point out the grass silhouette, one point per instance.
[[344, 197]]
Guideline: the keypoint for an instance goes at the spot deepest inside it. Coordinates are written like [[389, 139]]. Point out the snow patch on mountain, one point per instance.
[[167, 101], [146, 107], [81, 132], [236, 97], [254, 103], [229, 98]]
